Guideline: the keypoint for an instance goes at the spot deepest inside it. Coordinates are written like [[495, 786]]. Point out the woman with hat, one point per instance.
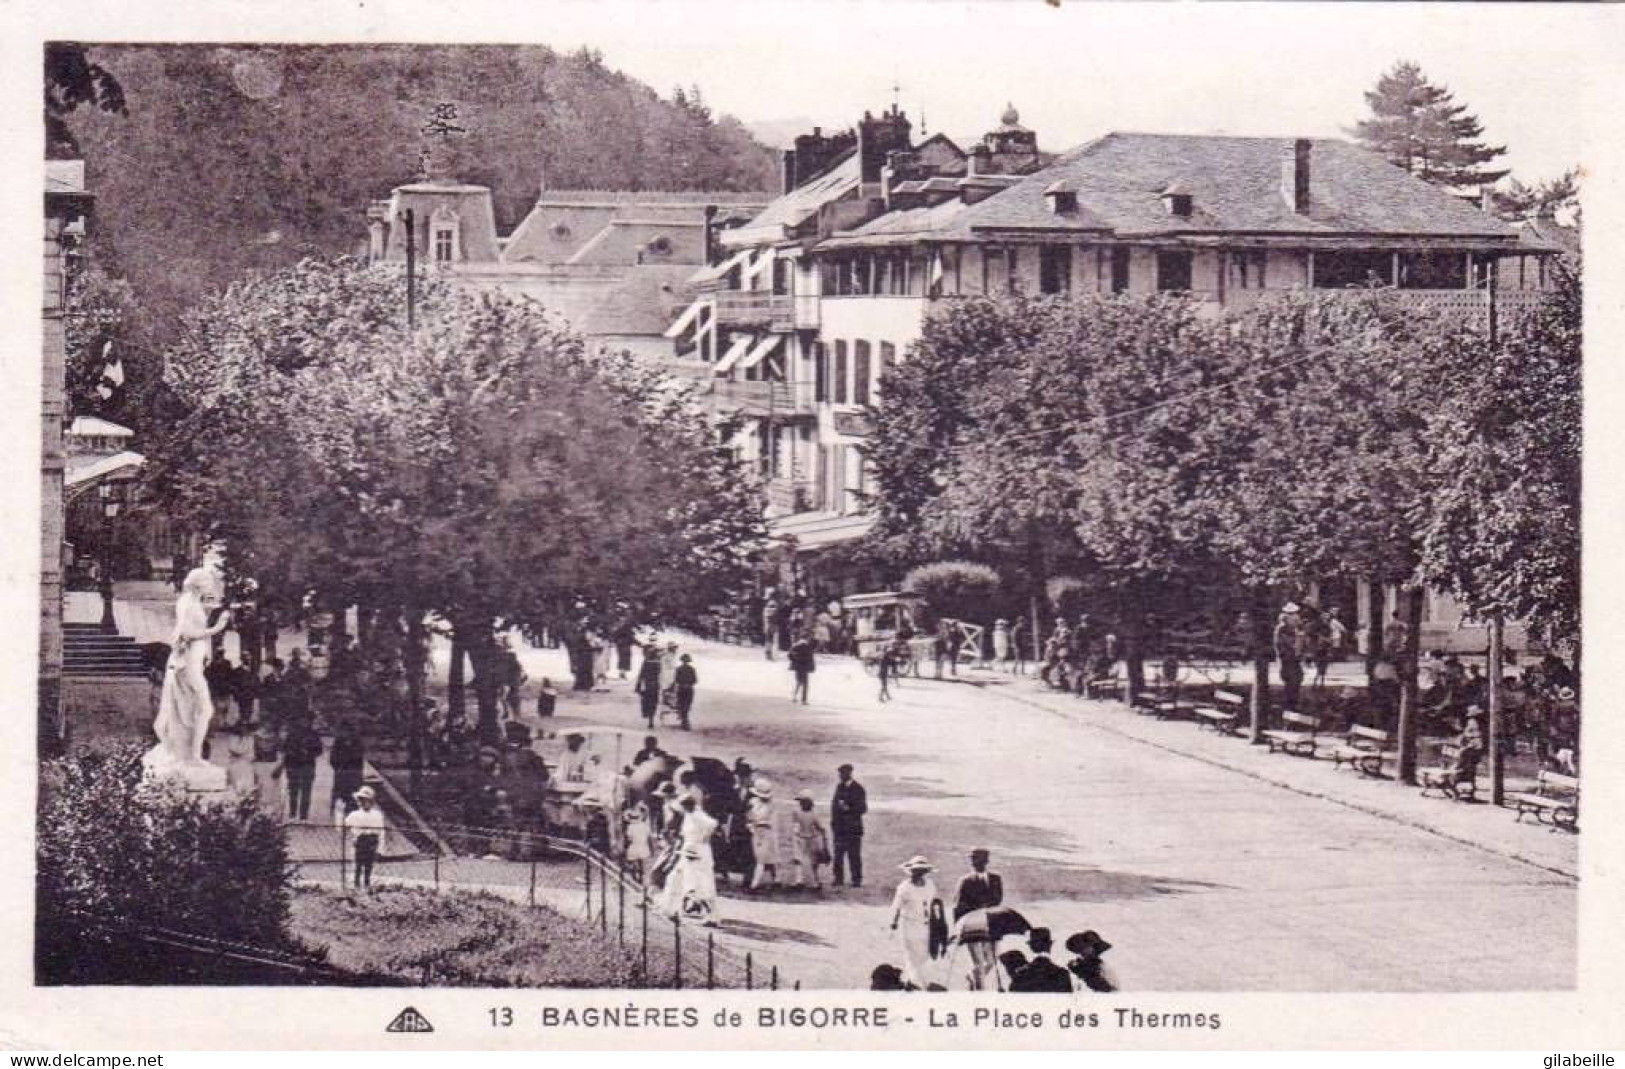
[[762, 815], [1088, 965], [911, 911], [811, 842], [364, 827], [691, 890]]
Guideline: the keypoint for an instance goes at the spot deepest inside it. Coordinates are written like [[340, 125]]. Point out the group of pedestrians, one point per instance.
[[1075, 653], [930, 939], [666, 680]]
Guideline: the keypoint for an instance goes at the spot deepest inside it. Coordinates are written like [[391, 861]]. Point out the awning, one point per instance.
[[731, 357], [686, 320], [765, 346], [707, 274]]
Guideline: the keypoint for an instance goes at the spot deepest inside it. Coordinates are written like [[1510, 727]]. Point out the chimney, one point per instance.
[[1486, 199], [789, 170], [980, 160], [1295, 176]]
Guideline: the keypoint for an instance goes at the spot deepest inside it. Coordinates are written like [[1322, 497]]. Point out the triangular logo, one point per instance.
[[410, 1020]]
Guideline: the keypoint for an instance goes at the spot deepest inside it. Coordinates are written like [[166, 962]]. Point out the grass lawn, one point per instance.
[[466, 939]]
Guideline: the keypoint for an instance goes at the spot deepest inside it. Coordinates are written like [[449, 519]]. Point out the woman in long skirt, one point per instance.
[[764, 833], [911, 919], [691, 890]]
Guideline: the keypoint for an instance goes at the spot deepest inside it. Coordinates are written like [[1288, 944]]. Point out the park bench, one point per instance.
[[1106, 686], [1224, 714], [1362, 748], [1163, 703], [1555, 800], [1298, 736], [1460, 786]]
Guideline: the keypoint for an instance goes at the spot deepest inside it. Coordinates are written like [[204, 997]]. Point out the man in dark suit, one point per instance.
[[846, 812], [978, 888], [1041, 974]]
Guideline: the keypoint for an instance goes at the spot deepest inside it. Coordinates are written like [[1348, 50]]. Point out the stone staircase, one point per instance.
[[88, 651]]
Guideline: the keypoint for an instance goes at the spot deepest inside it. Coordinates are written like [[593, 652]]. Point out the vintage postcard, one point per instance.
[[850, 525]]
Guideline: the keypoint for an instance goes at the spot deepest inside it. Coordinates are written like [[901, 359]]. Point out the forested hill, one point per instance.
[[232, 159]]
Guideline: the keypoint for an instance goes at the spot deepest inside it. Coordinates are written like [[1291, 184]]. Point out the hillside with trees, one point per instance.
[[221, 161]]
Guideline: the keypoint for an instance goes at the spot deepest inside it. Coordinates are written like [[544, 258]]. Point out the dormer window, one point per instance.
[[444, 236], [1178, 201], [1062, 197]]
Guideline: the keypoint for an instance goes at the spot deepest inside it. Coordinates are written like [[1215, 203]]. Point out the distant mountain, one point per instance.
[[236, 159]]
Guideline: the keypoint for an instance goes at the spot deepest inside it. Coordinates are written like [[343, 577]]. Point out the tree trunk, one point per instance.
[[1133, 626], [1409, 694], [414, 663], [1375, 602], [456, 700], [1497, 655], [482, 654], [1258, 705]]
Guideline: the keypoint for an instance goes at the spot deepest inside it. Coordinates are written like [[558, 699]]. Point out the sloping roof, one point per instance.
[[626, 198], [101, 466], [562, 223], [798, 205], [903, 226], [622, 241], [1549, 235], [92, 426], [643, 302], [1235, 183]]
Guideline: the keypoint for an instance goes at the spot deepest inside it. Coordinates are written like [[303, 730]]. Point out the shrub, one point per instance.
[[117, 852], [958, 589]]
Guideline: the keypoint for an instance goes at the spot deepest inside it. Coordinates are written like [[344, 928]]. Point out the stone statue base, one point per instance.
[[200, 777]]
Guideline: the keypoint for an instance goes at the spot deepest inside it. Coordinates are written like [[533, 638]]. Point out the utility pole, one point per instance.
[[1497, 639], [409, 218]]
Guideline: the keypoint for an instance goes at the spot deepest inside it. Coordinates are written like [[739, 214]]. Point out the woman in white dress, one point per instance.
[[691, 890], [911, 919], [762, 816]]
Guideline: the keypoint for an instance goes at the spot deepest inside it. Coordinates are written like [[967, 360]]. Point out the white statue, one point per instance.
[[184, 707]]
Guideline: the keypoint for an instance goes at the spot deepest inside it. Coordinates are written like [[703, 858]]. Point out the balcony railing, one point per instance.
[[744, 308], [761, 399], [1472, 306], [777, 311]]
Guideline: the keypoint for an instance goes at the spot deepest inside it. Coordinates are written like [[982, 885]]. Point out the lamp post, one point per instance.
[[110, 507]]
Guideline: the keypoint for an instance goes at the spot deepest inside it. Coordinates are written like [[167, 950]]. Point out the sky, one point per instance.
[[1082, 69]]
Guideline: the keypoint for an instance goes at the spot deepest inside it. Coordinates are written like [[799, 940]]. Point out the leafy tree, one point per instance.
[[456, 471], [1554, 196], [72, 80], [1418, 125], [1500, 528]]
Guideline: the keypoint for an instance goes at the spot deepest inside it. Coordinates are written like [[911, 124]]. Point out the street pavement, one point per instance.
[[1209, 865]]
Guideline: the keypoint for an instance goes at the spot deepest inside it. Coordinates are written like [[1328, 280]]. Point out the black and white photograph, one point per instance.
[[909, 504]]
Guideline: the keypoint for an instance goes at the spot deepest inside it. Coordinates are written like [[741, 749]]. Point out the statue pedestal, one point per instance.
[[200, 777]]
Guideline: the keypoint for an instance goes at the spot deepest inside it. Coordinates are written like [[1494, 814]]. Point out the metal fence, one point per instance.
[[537, 870]]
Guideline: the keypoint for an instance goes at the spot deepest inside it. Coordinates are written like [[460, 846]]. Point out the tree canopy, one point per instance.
[[463, 469], [1418, 125]]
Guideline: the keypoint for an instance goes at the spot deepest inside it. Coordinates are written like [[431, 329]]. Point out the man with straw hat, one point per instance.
[[364, 827], [911, 913]]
